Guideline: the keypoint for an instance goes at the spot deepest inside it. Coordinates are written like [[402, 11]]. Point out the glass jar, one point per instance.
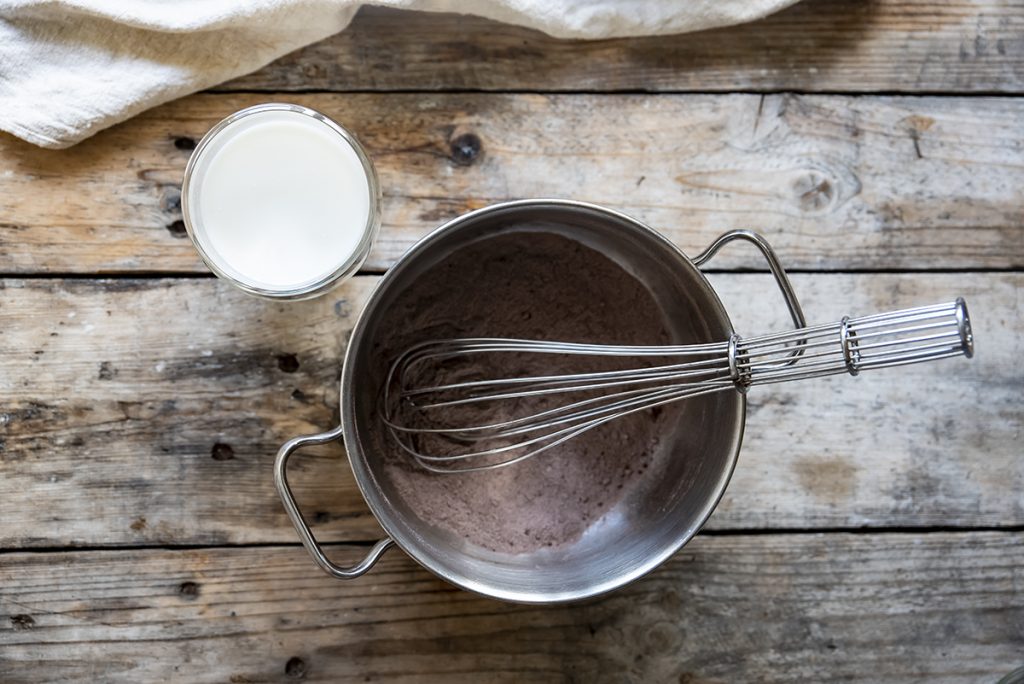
[[281, 201]]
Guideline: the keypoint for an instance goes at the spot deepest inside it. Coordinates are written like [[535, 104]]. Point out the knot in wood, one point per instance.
[[815, 192]]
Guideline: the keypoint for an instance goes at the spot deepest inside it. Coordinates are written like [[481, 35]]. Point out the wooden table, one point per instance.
[[874, 530]]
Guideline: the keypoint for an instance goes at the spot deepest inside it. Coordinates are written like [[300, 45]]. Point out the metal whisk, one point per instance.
[[508, 421]]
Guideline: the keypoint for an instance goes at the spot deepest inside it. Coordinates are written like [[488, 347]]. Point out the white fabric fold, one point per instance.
[[70, 68]]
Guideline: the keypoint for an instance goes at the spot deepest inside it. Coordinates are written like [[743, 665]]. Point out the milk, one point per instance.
[[279, 200]]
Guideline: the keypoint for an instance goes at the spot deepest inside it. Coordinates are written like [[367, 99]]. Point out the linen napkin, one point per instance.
[[70, 68]]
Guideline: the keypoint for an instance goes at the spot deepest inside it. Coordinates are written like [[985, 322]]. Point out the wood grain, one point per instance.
[[831, 45], [835, 182], [145, 412], [939, 607], [148, 412]]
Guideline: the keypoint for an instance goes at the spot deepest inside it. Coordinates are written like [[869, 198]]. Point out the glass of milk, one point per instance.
[[281, 201]]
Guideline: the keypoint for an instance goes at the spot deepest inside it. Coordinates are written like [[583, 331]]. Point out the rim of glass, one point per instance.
[[345, 269]]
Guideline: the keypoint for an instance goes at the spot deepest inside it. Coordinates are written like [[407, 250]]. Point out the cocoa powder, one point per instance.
[[530, 285]]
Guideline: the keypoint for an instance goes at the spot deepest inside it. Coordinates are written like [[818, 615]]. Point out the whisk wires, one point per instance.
[[451, 425]]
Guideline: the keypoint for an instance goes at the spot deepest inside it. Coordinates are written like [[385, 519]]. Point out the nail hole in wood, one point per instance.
[[107, 371], [185, 143], [295, 668], [177, 229], [288, 363], [222, 452], [23, 621], [171, 200], [465, 149], [189, 590]]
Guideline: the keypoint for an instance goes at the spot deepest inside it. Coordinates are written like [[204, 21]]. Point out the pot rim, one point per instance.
[[372, 497]]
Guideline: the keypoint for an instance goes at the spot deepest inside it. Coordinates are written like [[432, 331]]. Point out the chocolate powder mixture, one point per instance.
[[536, 286]]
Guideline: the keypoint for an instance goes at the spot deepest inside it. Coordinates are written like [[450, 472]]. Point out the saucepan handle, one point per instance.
[[850, 345], [792, 303], [305, 534]]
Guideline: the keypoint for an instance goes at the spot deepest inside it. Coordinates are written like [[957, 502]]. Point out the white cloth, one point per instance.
[[69, 68]]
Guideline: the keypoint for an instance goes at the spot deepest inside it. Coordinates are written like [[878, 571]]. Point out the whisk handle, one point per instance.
[[850, 345], [292, 508]]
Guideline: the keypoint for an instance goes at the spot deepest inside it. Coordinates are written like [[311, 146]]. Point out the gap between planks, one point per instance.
[[376, 272], [366, 543], [613, 93], [819, 46], [757, 609]]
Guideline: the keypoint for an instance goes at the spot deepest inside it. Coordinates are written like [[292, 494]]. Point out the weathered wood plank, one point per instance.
[[138, 411], [835, 182], [789, 608], [831, 45]]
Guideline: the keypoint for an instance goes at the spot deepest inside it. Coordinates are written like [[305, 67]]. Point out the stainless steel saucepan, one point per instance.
[[651, 523]]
